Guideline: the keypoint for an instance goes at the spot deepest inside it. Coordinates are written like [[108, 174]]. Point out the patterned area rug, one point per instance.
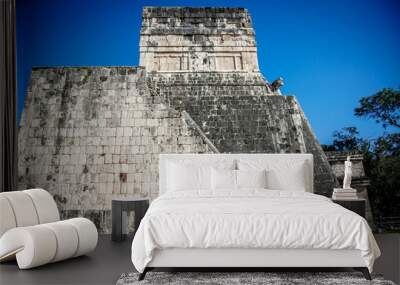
[[243, 278]]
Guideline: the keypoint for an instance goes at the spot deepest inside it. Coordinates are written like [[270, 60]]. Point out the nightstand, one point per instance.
[[119, 209], [356, 205]]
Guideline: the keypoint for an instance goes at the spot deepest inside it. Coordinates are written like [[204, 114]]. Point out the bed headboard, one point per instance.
[[210, 158]]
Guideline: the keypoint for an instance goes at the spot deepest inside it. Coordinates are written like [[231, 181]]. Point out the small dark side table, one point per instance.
[[356, 205], [119, 209]]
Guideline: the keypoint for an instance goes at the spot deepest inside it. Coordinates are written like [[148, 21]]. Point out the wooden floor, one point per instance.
[[110, 260]]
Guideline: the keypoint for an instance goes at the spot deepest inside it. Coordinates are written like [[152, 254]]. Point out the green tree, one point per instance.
[[383, 106], [381, 155], [328, 147], [382, 166], [347, 139]]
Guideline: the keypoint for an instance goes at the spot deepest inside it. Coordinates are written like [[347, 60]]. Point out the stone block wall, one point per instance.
[[237, 117], [188, 39], [217, 82], [337, 159], [90, 134]]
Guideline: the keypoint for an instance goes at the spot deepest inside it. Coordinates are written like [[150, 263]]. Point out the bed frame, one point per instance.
[[246, 259], [242, 259]]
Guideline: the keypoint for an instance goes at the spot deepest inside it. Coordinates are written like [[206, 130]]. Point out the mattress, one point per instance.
[[250, 219]]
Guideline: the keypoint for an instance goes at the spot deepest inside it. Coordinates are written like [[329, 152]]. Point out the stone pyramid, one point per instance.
[[204, 61], [88, 134]]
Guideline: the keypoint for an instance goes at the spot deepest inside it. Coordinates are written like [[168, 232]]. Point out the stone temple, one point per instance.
[[89, 134]]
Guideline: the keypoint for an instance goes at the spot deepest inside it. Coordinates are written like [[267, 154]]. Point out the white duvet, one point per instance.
[[250, 219]]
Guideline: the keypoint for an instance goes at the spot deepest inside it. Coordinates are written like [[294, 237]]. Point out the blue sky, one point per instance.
[[330, 53]]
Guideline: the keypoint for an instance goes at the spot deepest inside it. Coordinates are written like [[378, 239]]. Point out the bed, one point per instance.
[[245, 211]]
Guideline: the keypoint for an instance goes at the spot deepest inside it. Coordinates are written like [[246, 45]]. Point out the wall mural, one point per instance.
[[89, 134]]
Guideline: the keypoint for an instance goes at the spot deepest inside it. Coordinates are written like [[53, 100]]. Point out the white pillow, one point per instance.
[[182, 177], [193, 174], [282, 174], [251, 179], [293, 180], [223, 179]]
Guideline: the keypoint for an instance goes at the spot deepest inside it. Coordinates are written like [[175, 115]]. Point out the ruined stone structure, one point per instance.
[[204, 61], [92, 133], [197, 40], [359, 180]]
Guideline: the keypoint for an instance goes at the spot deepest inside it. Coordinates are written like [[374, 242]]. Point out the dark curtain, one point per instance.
[[8, 97]]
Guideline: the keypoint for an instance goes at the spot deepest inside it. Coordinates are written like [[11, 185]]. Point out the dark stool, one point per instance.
[[119, 209]]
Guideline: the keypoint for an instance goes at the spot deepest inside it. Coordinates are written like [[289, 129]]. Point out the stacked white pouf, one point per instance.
[[32, 233]]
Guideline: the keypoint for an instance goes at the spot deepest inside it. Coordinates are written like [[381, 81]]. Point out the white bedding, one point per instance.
[[250, 218]]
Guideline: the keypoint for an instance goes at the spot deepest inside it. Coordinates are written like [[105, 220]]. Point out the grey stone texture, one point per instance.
[[220, 84], [197, 39], [89, 134]]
